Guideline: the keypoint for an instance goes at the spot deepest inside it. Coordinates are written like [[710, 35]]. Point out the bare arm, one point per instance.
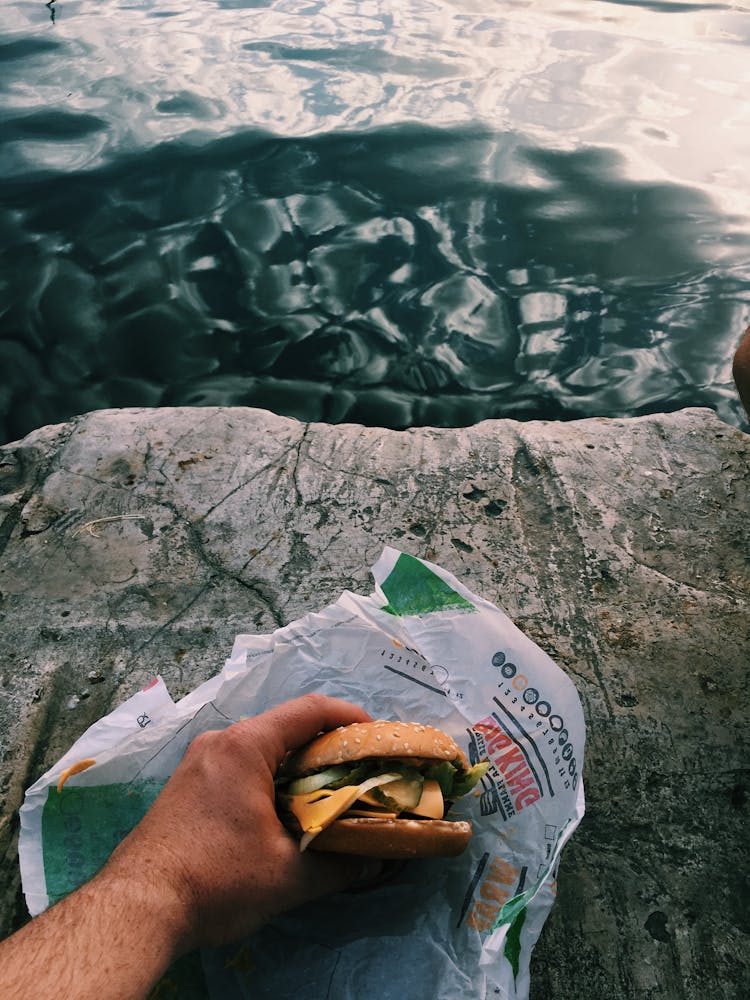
[[112, 938], [209, 863], [741, 370]]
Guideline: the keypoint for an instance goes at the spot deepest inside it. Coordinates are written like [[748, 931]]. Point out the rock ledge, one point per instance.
[[141, 541]]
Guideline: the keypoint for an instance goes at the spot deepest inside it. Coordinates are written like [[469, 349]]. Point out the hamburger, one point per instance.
[[378, 789]]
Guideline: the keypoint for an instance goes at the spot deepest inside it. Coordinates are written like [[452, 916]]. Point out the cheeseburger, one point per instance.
[[379, 789]]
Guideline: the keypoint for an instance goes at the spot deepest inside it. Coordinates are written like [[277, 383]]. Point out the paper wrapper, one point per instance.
[[424, 648]]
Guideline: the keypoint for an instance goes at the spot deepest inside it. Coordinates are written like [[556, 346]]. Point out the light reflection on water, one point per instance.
[[392, 213]]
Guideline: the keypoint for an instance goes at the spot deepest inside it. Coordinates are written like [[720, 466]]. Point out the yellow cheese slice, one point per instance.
[[431, 804], [317, 810]]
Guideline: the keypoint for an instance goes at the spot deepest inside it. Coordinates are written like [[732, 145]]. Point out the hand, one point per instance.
[[213, 841], [210, 862], [741, 370]]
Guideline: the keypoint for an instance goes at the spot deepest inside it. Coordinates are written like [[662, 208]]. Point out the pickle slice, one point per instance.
[[401, 795]]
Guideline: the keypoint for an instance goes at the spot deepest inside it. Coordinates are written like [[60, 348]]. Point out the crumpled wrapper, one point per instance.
[[421, 647]]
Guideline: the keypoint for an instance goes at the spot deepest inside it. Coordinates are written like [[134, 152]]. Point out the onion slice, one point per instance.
[[300, 786]]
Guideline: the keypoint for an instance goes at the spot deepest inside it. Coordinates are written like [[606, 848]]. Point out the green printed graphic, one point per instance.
[[513, 941], [413, 589], [514, 906], [82, 826]]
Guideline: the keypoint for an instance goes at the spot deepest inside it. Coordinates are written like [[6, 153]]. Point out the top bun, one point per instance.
[[373, 739]]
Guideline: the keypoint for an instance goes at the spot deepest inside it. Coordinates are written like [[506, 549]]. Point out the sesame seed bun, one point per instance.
[[394, 839], [373, 739]]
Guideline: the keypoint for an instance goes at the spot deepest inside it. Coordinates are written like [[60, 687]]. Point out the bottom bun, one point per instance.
[[394, 839]]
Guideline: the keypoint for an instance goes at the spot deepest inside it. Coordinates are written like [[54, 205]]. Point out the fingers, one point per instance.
[[296, 722], [301, 719]]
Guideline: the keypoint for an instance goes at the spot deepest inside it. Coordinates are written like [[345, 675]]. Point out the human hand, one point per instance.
[[212, 846], [741, 370]]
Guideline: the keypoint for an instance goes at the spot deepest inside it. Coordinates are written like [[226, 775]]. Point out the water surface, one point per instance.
[[396, 213]]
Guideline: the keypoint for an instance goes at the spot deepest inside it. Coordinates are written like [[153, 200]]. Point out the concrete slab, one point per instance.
[[141, 541]]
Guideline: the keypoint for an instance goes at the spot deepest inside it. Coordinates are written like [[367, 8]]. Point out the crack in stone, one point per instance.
[[348, 472], [105, 483], [258, 552], [548, 483], [295, 481], [217, 569], [169, 623], [274, 463]]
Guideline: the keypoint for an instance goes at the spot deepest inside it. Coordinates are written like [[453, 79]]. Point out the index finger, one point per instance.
[[294, 723]]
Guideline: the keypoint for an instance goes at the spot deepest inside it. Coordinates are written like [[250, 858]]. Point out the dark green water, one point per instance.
[[394, 214]]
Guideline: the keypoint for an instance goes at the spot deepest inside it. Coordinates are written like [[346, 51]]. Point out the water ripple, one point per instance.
[[399, 214]]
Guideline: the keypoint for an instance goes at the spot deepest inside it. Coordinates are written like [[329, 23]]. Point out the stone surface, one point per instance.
[[137, 541]]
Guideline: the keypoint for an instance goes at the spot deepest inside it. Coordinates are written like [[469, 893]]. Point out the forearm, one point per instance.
[[208, 864], [112, 938]]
